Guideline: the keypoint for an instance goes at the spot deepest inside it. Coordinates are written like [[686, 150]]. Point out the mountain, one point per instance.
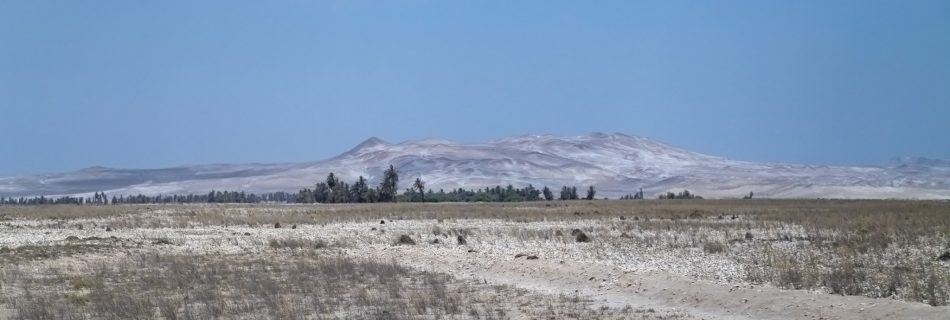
[[616, 164]]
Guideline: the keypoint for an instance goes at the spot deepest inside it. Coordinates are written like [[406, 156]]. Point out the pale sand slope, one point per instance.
[[615, 288]]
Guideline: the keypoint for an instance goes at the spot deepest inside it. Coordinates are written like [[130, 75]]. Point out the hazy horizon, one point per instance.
[[155, 85]]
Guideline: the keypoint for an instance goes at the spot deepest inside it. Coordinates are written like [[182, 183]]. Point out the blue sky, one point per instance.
[[137, 84]]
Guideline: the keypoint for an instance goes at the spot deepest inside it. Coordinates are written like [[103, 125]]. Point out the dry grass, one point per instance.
[[876, 248], [301, 286]]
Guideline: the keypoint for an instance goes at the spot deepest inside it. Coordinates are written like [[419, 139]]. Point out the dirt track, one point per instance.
[[614, 287]]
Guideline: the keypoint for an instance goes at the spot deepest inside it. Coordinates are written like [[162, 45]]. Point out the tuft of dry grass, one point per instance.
[[172, 286]]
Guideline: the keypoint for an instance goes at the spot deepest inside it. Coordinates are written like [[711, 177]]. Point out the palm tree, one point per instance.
[[419, 184], [387, 190]]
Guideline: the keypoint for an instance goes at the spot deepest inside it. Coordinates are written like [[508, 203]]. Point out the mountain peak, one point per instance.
[[372, 142]]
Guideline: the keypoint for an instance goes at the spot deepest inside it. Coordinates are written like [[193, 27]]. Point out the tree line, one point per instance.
[[334, 190], [211, 197]]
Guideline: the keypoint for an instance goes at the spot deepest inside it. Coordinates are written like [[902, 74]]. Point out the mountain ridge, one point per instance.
[[615, 163]]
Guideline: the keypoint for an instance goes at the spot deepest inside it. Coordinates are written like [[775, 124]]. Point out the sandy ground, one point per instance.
[[552, 274], [614, 287]]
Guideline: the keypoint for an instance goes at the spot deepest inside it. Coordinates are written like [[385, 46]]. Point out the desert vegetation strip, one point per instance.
[[306, 285], [890, 250]]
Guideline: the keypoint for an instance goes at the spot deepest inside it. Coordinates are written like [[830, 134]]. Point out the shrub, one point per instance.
[[580, 236], [406, 239], [845, 280]]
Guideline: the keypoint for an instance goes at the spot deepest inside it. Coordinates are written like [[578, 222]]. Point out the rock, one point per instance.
[[520, 255], [748, 236], [436, 241], [109, 229], [382, 221], [532, 257], [277, 225], [944, 257], [294, 227], [247, 233], [461, 240], [623, 218]]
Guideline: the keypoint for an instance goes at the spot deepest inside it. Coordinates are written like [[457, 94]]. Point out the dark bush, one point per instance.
[[406, 239], [580, 236]]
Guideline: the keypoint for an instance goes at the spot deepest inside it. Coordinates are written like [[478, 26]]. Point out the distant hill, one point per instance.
[[616, 164]]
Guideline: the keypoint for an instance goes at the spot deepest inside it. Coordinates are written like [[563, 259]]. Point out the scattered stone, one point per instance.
[[471, 250], [461, 240], [748, 236], [532, 257], [372, 229], [108, 229], [277, 225], [294, 227], [944, 257], [72, 238], [79, 227], [382, 221], [406, 239], [580, 236], [520, 255], [436, 241], [623, 218], [636, 218], [161, 241], [247, 233]]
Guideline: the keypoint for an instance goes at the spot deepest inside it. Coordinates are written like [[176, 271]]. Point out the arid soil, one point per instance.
[[713, 260]]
